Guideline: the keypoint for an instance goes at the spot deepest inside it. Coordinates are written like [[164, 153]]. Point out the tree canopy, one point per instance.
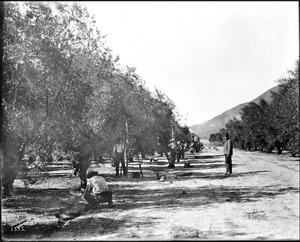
[[266, 126], [61, 81]]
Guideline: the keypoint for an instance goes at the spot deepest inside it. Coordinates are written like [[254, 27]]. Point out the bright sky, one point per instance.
[[207, 57]]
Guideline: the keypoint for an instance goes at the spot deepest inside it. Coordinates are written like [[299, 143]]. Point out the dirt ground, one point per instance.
[[259, 201]]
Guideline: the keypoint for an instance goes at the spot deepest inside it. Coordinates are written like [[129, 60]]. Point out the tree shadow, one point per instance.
[[163, 165], [96, 225], [208, 162], [127, 197], [168, 198], [207, 156], [208, 166], [93, 226], [221, 176], [181, 173], [37, 201]]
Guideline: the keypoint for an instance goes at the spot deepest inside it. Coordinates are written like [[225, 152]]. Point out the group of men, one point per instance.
[[195, 145], [95, 188], [177, 150]]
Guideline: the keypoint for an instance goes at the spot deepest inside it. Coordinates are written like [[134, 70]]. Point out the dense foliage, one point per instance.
[[61, 81], [268, 126]]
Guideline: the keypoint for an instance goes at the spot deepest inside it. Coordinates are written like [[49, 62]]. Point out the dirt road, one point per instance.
[[259, 201]]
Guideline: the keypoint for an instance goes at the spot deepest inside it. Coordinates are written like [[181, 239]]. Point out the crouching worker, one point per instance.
[[97, 191]]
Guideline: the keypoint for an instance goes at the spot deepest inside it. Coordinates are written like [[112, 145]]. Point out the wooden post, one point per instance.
[[125, 145], [172, 132], [140, 165]]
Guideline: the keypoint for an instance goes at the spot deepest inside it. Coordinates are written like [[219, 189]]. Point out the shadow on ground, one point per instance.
[[127, 196], [168, 198]]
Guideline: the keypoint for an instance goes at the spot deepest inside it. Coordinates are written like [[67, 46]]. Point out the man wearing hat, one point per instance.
[[118, 156], [228, 151], [97, 191]]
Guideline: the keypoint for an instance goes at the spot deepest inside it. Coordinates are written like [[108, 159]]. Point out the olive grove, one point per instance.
[[61, 81], [269, 125]]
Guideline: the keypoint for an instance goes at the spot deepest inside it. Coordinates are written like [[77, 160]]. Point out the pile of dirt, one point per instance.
[[184, 232]]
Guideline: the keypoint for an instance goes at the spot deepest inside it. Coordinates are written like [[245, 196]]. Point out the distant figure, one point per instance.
[[196, 144], [180, 151], [118, 156], [97, 191], [193, 145], [228, 151], [172, 145]]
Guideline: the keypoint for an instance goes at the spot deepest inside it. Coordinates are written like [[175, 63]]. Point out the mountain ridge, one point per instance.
[[204, 129]]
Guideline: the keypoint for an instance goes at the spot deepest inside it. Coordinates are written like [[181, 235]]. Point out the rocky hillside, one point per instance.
[[215, 124]]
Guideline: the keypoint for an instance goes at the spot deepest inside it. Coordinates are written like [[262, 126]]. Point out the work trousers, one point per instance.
[[228, 162], [180, 155], [173, 156], [84, 163], [95, 199], [120, 158]]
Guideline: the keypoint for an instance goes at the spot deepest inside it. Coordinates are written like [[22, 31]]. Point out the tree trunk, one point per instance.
[[7, 183], [279, 150], [126, 142], [12, 158], [278, 146], [10, 171]]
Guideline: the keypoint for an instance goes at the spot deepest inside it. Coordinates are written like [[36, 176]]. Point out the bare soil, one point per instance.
[[259, 201]]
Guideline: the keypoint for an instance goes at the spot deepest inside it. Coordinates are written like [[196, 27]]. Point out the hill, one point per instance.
[[213, 125]]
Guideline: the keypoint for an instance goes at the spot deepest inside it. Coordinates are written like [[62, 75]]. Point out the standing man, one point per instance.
[[228, 151], [118, 156], [83, 157], [172, 146], [180, 150]]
